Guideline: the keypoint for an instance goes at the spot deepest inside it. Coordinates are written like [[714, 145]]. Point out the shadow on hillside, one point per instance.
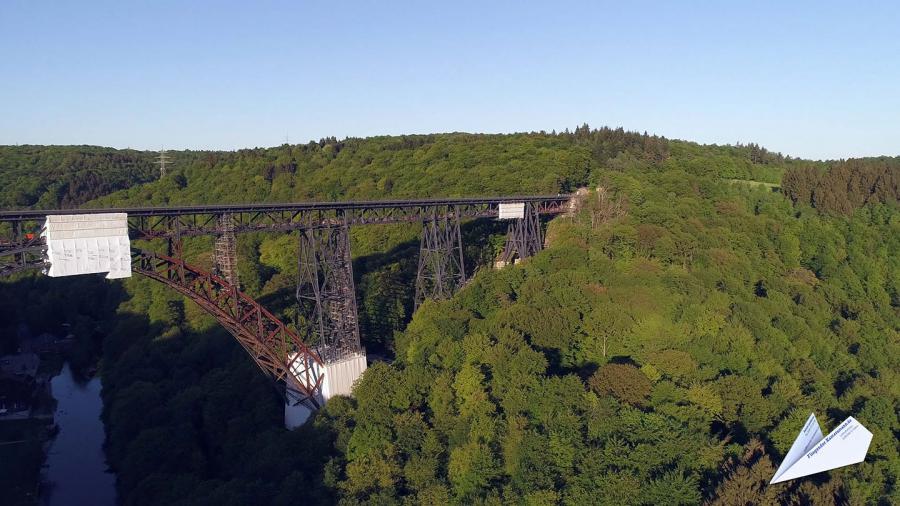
[[57, 318], [385, 284], [188, 403]]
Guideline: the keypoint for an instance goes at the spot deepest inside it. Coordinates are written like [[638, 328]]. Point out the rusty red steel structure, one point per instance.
[[325, 284], [275, 348], [16, 259], [22, 251]]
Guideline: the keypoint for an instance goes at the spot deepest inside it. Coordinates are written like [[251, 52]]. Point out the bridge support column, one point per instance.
[[326, 293], [17, 238], [326, 296], [225, 250], [524, 238], [441, 267], [174, 249]]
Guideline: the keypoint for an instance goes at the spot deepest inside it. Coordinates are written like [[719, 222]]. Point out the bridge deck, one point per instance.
[[186, 221], [31, 214]]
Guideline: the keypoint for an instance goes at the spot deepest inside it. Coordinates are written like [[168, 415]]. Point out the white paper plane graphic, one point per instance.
[[812, 453]]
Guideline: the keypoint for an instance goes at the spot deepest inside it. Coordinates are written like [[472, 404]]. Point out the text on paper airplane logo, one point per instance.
[[814, 453]]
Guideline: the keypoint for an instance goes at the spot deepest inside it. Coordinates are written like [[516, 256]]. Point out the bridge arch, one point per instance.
[[275, 348]]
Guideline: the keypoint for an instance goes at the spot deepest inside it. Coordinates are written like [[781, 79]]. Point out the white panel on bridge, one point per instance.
[[511, 211], [87, 244]]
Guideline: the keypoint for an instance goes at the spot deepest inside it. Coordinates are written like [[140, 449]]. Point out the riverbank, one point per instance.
[[24, 439]]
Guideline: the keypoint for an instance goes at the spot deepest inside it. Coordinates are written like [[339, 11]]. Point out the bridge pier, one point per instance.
[[524, 238], [225, 250], [337, 379], [441, 268], [173, 240], [326, 296], [326, 292]]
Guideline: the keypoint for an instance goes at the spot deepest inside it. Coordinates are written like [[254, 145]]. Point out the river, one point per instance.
[[76, 471]]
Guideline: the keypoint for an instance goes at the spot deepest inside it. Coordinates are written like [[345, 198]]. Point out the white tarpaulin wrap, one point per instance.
[[87, 244], [511, 211], [339, 379]]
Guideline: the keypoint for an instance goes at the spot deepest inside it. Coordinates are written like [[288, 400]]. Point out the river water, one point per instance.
[[76, 470]]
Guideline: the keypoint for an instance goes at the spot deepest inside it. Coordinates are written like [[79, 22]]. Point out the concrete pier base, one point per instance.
[[295, 414], [339, 379]]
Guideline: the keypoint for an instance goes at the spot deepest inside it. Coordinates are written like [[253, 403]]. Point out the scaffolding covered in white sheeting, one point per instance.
[[511, 211], [87, 244], [339, 378]]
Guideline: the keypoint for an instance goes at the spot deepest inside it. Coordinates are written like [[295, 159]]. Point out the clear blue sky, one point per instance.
[[811, 79]]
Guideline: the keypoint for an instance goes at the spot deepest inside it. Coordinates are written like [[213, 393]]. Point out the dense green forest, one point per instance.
[[67, 176], [845, 186], [665, 347], [629, 362]]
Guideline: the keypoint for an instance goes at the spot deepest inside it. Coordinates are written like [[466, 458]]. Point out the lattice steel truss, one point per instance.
[[188, 221], [15, 260], [20, 250], [524, 238], [225, 250], [326, 294], [441, 269]]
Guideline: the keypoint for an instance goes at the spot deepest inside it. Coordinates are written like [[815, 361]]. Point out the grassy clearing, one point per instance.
[[754, 183]]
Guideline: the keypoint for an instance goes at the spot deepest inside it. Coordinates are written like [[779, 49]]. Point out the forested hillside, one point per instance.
[[845, 186], [668, 356], [47, 177], [664, 349]]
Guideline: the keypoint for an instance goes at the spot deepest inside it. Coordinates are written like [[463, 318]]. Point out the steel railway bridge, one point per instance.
[[325, 289]]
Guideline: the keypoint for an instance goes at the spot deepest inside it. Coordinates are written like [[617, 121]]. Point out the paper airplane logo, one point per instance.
[[813, 453]]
